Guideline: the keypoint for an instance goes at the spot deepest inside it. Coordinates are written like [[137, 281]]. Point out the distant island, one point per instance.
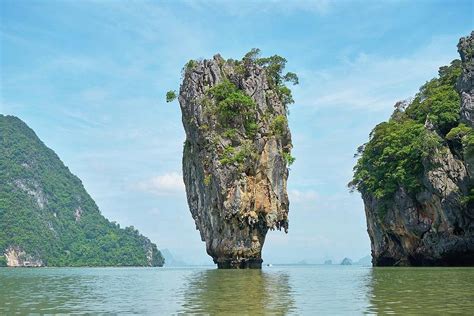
[[46, 216], [346, 262], [171, 260], [365, 261], [416, 173]]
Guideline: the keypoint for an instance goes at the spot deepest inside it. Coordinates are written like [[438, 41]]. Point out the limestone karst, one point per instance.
[[236, 153], [416, 173]]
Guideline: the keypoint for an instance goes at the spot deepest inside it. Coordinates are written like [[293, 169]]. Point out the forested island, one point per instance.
[[46, 216], [416, 173]]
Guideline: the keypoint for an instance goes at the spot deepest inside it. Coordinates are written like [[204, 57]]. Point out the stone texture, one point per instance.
[[436, 228], [16, 257], [465, 84], [466, 89], [233, 205]]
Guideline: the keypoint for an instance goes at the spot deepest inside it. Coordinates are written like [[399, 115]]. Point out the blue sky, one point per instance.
[[90, 78]]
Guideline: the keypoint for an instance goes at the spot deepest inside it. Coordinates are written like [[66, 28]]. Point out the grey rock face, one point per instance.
[[16, 257], [234, 203], [436, 227], [346, 262], [466, 82], [466, 89]]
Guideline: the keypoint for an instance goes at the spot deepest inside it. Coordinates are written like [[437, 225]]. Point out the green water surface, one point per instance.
[[279, 290]]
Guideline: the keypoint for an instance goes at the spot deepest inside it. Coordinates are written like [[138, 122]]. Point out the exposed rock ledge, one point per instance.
[[16, 257]]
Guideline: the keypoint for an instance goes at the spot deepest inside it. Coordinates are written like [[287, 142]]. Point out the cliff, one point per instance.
[[236, 153], [46, 216], [416, 173]]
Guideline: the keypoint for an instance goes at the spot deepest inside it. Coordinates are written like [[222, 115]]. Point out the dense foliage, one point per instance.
[[234, 107], [45, 210], [438, 101], [393, 157]]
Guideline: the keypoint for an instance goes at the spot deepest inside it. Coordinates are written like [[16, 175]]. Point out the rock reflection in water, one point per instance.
[[421, 290], [238, 292]]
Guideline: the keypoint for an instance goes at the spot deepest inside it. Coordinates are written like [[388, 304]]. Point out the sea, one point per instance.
[[205, 290]]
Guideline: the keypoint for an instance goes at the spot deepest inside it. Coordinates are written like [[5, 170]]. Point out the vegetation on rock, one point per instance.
[[393, 158], [289, 159], [170, 96], [274, 67], [235, 113], [234, 106]]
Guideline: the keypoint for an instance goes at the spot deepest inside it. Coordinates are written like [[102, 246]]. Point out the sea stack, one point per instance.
[[236, 153], [416, 173]]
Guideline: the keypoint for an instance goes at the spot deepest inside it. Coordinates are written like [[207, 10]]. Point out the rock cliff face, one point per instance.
[[466, 89], [465, 84], [16, 257], [235, 157], [436, 226]]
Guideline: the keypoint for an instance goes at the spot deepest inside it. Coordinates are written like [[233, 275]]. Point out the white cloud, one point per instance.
[[167, 184]]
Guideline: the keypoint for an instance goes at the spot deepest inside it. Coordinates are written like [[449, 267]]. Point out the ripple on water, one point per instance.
[[278, 290]]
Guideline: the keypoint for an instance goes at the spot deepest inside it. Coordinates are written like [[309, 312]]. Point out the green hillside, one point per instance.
[[47, 216]]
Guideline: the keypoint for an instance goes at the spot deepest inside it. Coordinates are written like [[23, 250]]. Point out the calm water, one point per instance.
[[276, 290]]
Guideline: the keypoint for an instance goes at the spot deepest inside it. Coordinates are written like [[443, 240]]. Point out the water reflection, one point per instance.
[[299, 290], [238, 292], [427, 290]]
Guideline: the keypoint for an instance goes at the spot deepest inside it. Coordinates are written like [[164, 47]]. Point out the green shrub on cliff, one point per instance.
[[463, 135], [393, 157], [274, 67], [438, 100], [289, 159], [234, 106], [222, 90], [232, 155], [170, 96], [251, 128], [279, 125]]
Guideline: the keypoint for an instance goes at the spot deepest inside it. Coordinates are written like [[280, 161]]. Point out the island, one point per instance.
[[46, 216], [416, 173]]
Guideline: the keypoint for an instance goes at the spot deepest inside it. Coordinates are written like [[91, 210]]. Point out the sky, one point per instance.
[[90, 78]]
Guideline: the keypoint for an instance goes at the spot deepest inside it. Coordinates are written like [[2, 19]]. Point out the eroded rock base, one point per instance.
[[239, 264]]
